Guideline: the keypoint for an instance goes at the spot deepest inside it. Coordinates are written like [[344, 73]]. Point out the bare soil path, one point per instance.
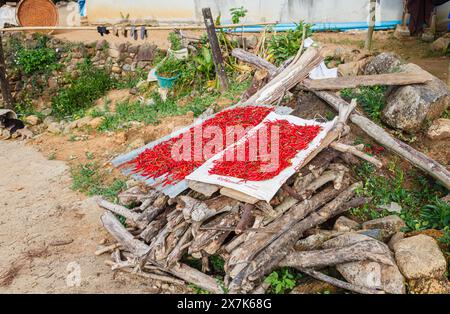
[[48, 233]]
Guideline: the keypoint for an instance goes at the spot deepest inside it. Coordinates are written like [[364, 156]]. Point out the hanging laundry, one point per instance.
[[133, 32], [102, 30], [143, 32]]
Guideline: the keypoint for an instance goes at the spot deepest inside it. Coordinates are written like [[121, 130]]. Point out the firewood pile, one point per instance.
[[254, 238]]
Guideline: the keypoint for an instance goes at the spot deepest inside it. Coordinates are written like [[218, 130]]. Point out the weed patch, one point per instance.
[[88, 178], [371, 99]]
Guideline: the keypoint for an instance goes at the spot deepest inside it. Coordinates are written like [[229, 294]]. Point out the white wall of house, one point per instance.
[[286, 11]]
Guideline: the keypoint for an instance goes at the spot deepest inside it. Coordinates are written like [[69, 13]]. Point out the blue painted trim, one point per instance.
[[323, 26]]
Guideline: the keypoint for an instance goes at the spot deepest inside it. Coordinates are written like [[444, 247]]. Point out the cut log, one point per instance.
[[199, 211], [394, 79], [247, 219], [118, 231], [254, 60], [196, 277], [361, 251], [134, 218], [417, 158], [286, 80], [351, 149], [340, 283], [276, 251]]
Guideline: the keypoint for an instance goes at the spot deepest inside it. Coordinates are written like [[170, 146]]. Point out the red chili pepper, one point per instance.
[[157, 161]]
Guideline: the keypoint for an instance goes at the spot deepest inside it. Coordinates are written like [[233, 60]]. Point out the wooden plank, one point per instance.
[[242, 197], [203, 188], [405, 78]]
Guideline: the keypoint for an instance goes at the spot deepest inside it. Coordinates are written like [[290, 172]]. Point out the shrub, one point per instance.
[[175, 41], [284, 45], [82, 92], [371, 99], [170, 67]]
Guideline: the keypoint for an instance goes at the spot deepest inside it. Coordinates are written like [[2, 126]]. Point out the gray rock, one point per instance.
[[48, 120], [46, 112], [54, 128], [345, 224], [407, 107], [402, 32], [390, 224], [377, 234], [383, 63], [439, 130], [32, 120], [146, 53], [441, 44], [420, 257]]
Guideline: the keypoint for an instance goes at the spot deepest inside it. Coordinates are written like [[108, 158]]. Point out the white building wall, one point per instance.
[[285, 11]]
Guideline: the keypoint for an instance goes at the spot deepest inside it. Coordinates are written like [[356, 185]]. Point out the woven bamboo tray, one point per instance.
[[37, 13]]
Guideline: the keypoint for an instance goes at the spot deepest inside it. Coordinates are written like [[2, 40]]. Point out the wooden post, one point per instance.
[[4, 84], [372, 9], [215, 48]]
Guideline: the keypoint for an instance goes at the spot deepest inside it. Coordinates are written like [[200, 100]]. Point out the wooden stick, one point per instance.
[[118, 231], [4, 84], [253, 59], [338, 83], [371, 28], [135, 218], [107, 249], [215, 48], [417, 158], [148, 27], [340, 283], [353, 150]]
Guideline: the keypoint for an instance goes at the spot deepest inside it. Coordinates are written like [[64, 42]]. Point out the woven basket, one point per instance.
[[37, 13]]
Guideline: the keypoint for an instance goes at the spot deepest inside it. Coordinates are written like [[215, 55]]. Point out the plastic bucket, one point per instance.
[[166, 82]]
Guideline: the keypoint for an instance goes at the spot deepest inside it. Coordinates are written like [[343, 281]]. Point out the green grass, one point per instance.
[[88, 178], [371, 99], [151, 114], [421, 206]]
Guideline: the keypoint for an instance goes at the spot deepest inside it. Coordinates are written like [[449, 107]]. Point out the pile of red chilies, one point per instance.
[[290, 141], [157, 162]]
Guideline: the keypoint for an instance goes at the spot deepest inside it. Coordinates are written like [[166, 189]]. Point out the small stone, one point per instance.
[[395, 238], [54, 128], [82, 122], [131, 183], [420, 257], [391, 224], [439, 130], [116, 69], [52, 83], [393, 207], [345, 224], [114, 53], [428, 36], [96, 122], [134, 91], [32, 120], [126, 67], [383, 63], [49, 120], [402, 32], [46, 112], [377, 234], [441, 44], [102, 44]]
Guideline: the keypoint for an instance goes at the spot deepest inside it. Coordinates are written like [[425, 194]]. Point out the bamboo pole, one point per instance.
[[94, 28]]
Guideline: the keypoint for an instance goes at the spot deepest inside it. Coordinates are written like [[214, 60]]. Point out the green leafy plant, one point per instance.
[[91, 84], [281, 281], [169, 67], [237, 14], [175, 41], [437, 214], [371, 99], [284, 45], [197, 289], [36, 60], [204, 63], [217, 263]]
